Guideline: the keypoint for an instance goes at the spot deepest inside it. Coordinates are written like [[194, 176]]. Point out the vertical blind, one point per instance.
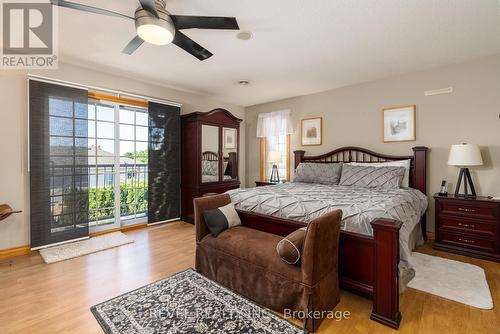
[[164, 163], [58, 163]]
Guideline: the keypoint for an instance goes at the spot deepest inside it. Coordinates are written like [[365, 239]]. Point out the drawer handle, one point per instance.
[[466, 241], [467, 225], [466, 210]]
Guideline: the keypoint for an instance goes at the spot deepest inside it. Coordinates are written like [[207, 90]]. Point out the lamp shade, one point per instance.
[[274, 156], [465, 155]]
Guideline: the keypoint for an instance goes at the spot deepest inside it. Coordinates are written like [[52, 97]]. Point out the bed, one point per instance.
[[210, 165], [305, 202], [379, 226]]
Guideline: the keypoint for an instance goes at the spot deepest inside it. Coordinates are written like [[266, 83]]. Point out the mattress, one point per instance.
[[307, 201]]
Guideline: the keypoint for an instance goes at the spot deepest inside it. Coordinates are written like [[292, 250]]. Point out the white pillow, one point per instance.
[[398, 163]]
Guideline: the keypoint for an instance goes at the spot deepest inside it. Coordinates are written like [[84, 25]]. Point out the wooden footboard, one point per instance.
[[386, 279], [367, 264]]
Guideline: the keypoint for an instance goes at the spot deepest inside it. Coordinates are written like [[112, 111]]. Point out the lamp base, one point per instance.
[[275, 177], [465, 174]]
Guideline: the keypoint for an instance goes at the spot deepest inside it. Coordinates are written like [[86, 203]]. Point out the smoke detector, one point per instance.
[[244, 35], [243, 82]]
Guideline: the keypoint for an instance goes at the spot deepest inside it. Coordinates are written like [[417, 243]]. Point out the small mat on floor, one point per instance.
[[187, 302], [84, 247], [458, 281]]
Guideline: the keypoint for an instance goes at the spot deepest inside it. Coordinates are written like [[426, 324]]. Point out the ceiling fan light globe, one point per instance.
[[155, 30], [155, 34]]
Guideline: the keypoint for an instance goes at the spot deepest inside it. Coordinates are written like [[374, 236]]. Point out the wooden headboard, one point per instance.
[[418, 165], [231, 159], [210, 156]]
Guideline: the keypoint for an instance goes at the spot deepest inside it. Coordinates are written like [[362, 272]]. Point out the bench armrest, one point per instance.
[[206, 203], [321, 245]]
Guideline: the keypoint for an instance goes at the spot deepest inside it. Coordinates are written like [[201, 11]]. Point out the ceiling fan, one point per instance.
[[157, 26]]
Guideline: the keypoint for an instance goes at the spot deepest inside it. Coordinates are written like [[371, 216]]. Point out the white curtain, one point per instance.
[[277, 123]]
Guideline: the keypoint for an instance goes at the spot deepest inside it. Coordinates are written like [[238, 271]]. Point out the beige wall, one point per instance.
[[14, 178], [352, 116]]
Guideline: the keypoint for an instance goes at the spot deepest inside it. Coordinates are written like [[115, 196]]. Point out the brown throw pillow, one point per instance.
[[290, 247]]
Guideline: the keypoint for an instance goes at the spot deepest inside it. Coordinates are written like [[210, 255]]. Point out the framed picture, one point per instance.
[[399, 124], [229, 138], [312, 131]]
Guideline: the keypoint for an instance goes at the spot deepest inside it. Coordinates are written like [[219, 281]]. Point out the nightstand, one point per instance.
[[264, 183], [468, 226]]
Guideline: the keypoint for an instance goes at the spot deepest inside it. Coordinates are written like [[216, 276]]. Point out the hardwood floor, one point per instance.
[[40, 298]]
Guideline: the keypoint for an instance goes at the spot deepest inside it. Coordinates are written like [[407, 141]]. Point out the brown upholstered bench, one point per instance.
[[245, 260]]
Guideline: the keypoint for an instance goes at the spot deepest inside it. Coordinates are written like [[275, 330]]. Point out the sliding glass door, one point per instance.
[[118, 165], [134, 134], [99, 162]]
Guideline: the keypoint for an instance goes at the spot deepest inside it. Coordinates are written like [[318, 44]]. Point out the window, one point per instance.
[[134, 134], [274, 130], [89, 162], [67, 140], [280, 144], [118, 163], [101, 161]]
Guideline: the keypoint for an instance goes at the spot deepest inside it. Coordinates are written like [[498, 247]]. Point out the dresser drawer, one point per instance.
[[474, 209], [468, 241], [457, 224]]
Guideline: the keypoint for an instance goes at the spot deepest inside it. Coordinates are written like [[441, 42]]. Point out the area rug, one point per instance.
[[187, 302], [458, 281], [84, 247]]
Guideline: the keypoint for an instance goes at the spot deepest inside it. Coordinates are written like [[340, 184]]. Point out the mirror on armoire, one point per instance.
[[230, 153], [209, 153]]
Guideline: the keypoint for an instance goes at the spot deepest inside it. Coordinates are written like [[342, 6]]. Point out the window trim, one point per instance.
[[263, 154], [118, 99]]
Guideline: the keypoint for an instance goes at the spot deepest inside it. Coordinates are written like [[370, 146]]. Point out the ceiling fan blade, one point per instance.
[[190, 46], [89, 9], [133, 45], [150, 6], [204, 22]]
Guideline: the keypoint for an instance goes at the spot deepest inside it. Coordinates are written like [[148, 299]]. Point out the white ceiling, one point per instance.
[[299, 47]]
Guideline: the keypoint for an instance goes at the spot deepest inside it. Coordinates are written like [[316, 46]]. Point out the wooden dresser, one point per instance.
[[209, 156], [468, 226]]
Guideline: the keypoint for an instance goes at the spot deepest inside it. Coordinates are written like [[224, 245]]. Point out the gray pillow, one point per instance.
[[322, 173], [220, 219], [371, 177]]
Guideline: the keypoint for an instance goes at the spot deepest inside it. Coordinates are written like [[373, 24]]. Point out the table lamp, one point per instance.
[[274, 157], [464, 156]]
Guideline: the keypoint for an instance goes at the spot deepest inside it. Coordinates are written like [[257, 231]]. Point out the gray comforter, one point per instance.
[[306, 201]]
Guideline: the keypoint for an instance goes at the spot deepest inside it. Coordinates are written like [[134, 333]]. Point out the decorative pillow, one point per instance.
[[322, 173], [399, 163], [220, 219], [290, 248], [371, 177], [209, 167]]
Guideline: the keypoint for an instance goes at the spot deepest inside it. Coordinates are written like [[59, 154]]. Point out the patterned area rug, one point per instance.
[[187, 302]]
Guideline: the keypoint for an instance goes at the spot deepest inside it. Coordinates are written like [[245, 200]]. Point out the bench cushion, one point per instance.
[[255, 247]]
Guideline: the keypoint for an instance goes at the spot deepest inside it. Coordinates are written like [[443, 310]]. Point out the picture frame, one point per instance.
[[230, 138], [312, 131], [399, 124]]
